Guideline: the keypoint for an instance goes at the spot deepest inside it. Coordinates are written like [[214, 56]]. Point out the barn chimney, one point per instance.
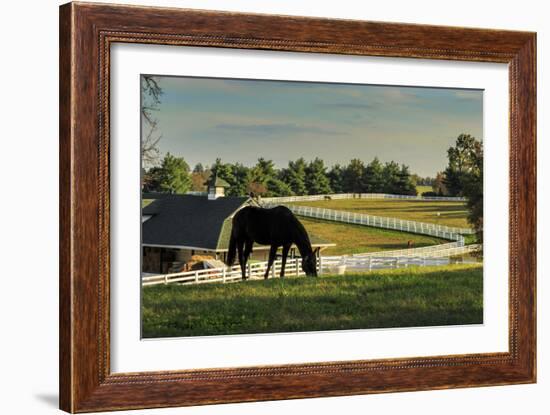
[[216, 187]]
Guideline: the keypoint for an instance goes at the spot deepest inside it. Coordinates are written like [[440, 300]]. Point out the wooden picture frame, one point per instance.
[[86, 33]]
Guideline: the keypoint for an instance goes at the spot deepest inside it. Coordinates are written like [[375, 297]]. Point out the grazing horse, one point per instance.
[[275, 227], [327, 197]]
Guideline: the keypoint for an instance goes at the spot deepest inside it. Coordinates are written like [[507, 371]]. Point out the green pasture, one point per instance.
[[355, 239], [450, 213], [406, 297], [422, 189]]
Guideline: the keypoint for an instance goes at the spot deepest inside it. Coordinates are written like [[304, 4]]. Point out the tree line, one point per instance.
[[463, 176], [299, 178]]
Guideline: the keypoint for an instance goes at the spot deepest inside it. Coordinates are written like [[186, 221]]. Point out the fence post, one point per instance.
[[249, 269], [223, 274], [273, 269], [196, 276], [320, 265], [165, 279]]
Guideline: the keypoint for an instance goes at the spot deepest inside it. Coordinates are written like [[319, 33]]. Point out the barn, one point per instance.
[[176, 229]]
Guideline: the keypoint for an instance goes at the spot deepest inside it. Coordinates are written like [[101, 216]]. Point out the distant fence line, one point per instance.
[[333, 264], [440, 231], [447, 249], [379, 260], [336, 196]]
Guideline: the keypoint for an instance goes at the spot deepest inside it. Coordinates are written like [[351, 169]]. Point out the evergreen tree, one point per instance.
[[317, 181], [352, 179], [276, 187], [263, 171], [223, 171], [452, 179], [390, 178], [199, 168], [241, 178], [405, 182], [336, 178], [173, 175], [373, 180], [295, 176]]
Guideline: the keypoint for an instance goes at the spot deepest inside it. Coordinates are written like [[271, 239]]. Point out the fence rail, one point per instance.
[[440, 231], [374, 263], [335, 264], [448, 249], [337, 196], [254, 270]]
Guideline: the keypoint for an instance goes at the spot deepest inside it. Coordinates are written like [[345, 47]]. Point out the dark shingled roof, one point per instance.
[[187, 220]]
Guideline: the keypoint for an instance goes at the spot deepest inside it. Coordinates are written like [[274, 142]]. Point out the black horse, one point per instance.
[[275, 227]]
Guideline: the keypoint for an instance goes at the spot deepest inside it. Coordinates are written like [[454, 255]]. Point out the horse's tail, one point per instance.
[[232, 251]]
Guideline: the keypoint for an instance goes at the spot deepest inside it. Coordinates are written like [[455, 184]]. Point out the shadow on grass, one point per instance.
[[403, 298]]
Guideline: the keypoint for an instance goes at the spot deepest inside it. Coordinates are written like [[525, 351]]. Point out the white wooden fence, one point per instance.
[[442, 250], [337, 196], [332, 264], [254, 270], [369, 263], [440, 231]]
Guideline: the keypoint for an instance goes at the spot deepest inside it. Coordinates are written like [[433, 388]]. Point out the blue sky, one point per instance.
[[201, 119]]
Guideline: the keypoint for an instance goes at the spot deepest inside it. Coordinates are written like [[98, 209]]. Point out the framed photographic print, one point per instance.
[[260, 207]]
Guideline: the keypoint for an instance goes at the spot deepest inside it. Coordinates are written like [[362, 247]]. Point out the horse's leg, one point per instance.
[[272, 254], [247, 251], [242, 261], [286, 248]]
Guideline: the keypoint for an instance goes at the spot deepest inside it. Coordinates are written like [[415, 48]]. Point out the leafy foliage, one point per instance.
[[172, 176], [461, 161], [438, 185], [464, 177]]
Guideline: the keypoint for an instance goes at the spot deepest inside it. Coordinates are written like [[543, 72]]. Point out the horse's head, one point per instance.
[[309, 265]]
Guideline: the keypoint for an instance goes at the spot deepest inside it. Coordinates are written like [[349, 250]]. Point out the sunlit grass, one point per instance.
[[406, 297], [422, 189], [450, 213], [354, 239]]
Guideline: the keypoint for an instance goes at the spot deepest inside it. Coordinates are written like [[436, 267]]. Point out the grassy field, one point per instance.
[[422, 189], [406, 297], [452, 213], [355, 239]]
